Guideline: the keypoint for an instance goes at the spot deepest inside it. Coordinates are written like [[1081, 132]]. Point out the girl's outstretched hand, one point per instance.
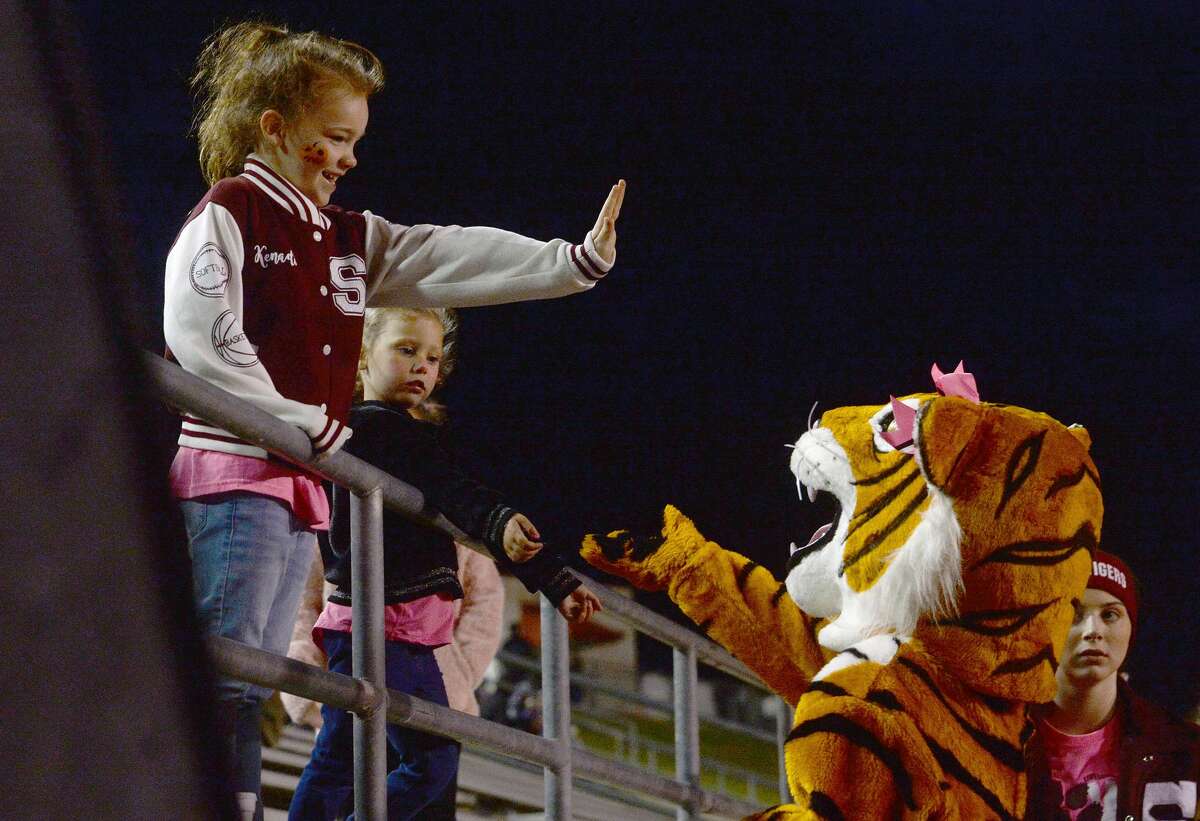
[[579, 605], [604, 233], [521, 539]]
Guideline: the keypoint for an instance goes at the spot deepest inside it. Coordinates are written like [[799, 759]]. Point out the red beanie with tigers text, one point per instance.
[[1112, 575]]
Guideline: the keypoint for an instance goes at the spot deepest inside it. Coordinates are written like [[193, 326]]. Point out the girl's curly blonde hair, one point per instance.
[[247, 68], [376, 319]]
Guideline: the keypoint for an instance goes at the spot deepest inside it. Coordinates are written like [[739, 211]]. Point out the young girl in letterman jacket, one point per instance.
[[1100, 751], [406, 355], [266, 286]]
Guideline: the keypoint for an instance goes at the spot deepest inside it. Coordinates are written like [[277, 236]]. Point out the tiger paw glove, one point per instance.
[[646, 562]]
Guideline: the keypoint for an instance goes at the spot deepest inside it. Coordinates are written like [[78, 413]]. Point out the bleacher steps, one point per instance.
[[490, 787]]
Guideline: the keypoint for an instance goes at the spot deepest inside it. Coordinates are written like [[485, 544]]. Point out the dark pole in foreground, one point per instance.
[[367, 648]]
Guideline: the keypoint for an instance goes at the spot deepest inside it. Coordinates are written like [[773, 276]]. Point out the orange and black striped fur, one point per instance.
[[913, 632]]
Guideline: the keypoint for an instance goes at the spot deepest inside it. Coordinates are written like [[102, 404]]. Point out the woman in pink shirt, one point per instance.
[[1099, 751]]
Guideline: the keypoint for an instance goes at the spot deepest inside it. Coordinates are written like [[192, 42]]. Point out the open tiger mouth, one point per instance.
[[824, 534]]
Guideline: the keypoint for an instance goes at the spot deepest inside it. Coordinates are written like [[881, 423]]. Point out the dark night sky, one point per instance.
[[823, 199]]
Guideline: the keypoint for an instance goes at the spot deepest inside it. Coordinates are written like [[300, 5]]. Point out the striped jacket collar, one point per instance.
[[283, 192]]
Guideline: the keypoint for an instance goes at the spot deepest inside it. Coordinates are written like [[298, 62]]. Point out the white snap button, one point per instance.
[[326, 350], [324, 291], [322, 407], [317, 236]]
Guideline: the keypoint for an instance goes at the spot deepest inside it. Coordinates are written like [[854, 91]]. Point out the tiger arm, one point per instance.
[[737, 602], [847, 758]]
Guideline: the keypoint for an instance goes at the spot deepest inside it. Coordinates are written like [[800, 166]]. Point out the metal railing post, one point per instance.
[[783, 724], [556, 710], [367, 647], [687, 726], [365, 693]]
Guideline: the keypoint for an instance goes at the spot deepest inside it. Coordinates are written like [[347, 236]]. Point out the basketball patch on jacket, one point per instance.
[[231, 344]]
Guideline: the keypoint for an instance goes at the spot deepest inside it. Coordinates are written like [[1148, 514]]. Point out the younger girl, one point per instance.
[[404, 358], [1100, 751], [266, 286]]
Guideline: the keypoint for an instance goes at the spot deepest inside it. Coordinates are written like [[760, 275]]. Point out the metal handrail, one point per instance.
[[630, 697], [368, 699], [629, 745], [252, 424], [346, 693]]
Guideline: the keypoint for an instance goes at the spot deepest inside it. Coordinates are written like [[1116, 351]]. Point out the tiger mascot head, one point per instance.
[[966, 525]]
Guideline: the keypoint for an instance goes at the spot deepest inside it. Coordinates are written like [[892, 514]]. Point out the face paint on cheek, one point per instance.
[[313, 153]]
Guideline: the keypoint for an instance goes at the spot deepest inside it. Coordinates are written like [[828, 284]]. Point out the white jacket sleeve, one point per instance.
[[203, 329], [452, 266]]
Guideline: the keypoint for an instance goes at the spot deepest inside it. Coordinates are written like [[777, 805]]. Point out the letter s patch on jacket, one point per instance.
[[348, 275], [1169, 799]]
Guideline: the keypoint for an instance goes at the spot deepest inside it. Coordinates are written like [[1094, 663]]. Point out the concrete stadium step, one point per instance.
[[515, 790], [282, 765]]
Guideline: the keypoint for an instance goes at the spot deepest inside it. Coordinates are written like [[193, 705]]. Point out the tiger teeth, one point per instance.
[[808, 492]]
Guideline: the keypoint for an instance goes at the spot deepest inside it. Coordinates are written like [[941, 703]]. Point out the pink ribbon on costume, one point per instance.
[[956, 383], [902, 437]]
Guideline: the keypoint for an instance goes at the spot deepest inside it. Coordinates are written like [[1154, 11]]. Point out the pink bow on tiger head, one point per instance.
[[956, 383]]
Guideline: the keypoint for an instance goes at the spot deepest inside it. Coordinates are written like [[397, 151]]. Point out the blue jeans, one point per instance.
[[427, 763], [250, 559]]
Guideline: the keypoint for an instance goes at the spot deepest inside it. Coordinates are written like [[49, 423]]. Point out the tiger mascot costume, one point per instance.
[[913, 629]]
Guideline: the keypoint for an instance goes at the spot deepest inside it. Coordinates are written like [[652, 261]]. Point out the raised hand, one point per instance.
[[604, 233], [521, 539]]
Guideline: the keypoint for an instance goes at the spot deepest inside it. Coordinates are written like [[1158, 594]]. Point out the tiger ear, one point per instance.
[[946, 426], [1081, 433]]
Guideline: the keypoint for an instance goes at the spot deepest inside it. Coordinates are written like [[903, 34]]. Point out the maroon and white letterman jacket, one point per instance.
[[265, 294]]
